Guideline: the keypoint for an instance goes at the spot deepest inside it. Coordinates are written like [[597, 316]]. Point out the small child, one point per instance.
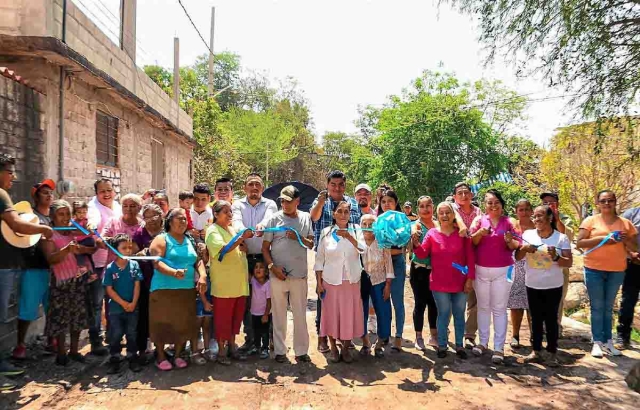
[[260, 310], [185, 202], [122, 282], [379, 268], [204, 313], [79, 213]]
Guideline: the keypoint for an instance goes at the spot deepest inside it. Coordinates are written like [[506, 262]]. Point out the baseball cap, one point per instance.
[[408, 203], [362, 186], [551, 194], [47, 182], [289, 193]]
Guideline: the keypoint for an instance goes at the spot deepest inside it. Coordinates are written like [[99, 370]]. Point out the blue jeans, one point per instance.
[[602, 287], [8, 279], [96, 292], [397, 291], [121, 324], [448, 304]]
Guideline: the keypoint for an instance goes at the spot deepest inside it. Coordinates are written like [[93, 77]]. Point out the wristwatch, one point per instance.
[[269, 266]]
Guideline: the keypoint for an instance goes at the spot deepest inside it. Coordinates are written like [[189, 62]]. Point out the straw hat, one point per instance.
[[18, 240]]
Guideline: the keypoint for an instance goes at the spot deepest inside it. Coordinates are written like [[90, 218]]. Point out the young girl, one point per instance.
[[67, 312], [261, 309], [379, 271]]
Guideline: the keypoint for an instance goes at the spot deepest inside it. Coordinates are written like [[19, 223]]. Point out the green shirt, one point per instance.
[[414, 258]]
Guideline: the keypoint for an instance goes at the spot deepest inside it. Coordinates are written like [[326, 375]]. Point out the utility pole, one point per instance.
[[213, 23], [266, 179], [176, 70]]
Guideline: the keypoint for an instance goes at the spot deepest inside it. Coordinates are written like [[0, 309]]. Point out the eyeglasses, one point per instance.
[[606, 201]]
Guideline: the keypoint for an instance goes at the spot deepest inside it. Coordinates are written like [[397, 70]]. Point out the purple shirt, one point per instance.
[[143, 239], [259, 295], [492, 251]]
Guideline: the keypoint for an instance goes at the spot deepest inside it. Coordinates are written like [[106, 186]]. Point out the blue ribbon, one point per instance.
[[510, 274], [616, 235], [135, 258], [225, 249], [76, 227], [463, 269]]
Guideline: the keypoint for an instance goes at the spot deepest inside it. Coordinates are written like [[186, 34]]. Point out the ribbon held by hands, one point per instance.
[[134, 258], [463, 269], [237, 236], [616, 235]]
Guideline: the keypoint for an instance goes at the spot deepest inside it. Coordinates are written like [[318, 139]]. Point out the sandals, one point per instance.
[[378, 352], [198, 359], [497, 358], [334, 356], [346, 355], [164, 365], [365, 351], [180, 363], [515, 343], [478, 350]]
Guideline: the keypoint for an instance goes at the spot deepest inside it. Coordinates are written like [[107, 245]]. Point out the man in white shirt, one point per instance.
[[252, 211], [102, 209], [201, 214]]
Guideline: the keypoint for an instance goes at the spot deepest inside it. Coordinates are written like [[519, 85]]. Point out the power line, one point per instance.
[[194, 26]]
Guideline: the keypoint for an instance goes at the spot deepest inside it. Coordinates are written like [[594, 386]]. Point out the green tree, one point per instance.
[[161, 76], [350, 154], [436, 134], [589, 47], [511, 193]]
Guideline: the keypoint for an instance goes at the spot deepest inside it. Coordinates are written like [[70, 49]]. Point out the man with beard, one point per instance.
[[252, 211], [34, 283], [362, 194], [322, 216], [102, 209]]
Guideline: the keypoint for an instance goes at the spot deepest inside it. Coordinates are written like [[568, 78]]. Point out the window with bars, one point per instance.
[[106, 139], [157, 164]]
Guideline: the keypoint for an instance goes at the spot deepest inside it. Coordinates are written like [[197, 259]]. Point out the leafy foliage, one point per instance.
[[591, 47], [511, 193], [586, 158]]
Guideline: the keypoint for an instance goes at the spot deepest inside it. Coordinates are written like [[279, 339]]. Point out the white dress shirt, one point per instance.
[[200, 221], [246, 215], [339, 260]]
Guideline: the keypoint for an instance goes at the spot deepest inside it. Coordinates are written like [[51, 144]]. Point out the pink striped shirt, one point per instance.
[[68, 268]]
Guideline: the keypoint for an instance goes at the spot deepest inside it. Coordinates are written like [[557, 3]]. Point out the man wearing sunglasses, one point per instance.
[[563, 225]]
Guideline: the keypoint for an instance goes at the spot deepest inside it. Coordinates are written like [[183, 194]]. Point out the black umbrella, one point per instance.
[[307, 193]]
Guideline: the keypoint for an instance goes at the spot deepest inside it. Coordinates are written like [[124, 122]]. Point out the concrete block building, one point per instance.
[[74, 105]]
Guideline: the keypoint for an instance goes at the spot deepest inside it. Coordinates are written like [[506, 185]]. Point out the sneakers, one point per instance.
[[252, 351], [596, 350], [280, 358], [248, 345], [610, 349], [20, 352], [7, 384], [420, 344], [469, 343], [621, 343], [7, 369], [304, 358]]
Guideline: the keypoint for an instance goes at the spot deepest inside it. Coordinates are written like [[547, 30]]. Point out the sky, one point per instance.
[[344, 54]]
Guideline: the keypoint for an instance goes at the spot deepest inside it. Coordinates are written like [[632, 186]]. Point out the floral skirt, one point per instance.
[[70, 308], [518, 295]]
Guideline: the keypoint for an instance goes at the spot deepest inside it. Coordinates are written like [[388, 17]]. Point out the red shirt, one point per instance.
[[189, 220]]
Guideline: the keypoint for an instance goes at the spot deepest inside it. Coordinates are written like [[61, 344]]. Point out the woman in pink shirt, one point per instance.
[[491, 233], [67, 311], [448, 284]]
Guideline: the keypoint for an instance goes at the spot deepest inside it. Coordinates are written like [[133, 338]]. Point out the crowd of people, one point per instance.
[[180, 283]]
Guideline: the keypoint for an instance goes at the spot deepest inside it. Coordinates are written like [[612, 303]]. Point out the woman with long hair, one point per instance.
[[420, 277], [517, 303], [389, 202], [606, 238], [492, 235], [545, 252]]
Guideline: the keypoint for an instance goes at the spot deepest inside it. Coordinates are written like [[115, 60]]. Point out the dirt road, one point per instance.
[[411, 379]]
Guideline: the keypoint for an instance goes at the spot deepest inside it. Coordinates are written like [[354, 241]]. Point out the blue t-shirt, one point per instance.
[[123, 282]]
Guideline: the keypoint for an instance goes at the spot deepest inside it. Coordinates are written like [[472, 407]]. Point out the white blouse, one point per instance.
[[339, 260]]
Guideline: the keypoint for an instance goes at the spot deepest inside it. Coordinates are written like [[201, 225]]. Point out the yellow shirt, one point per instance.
[[609, 258], [229, 278]]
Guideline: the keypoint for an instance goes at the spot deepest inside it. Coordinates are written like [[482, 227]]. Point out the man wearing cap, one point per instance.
[[102, 209], [252, 211], [11, 257], [34, 283], [362, 194], [322, 216], [286, 259], [407, 211]]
